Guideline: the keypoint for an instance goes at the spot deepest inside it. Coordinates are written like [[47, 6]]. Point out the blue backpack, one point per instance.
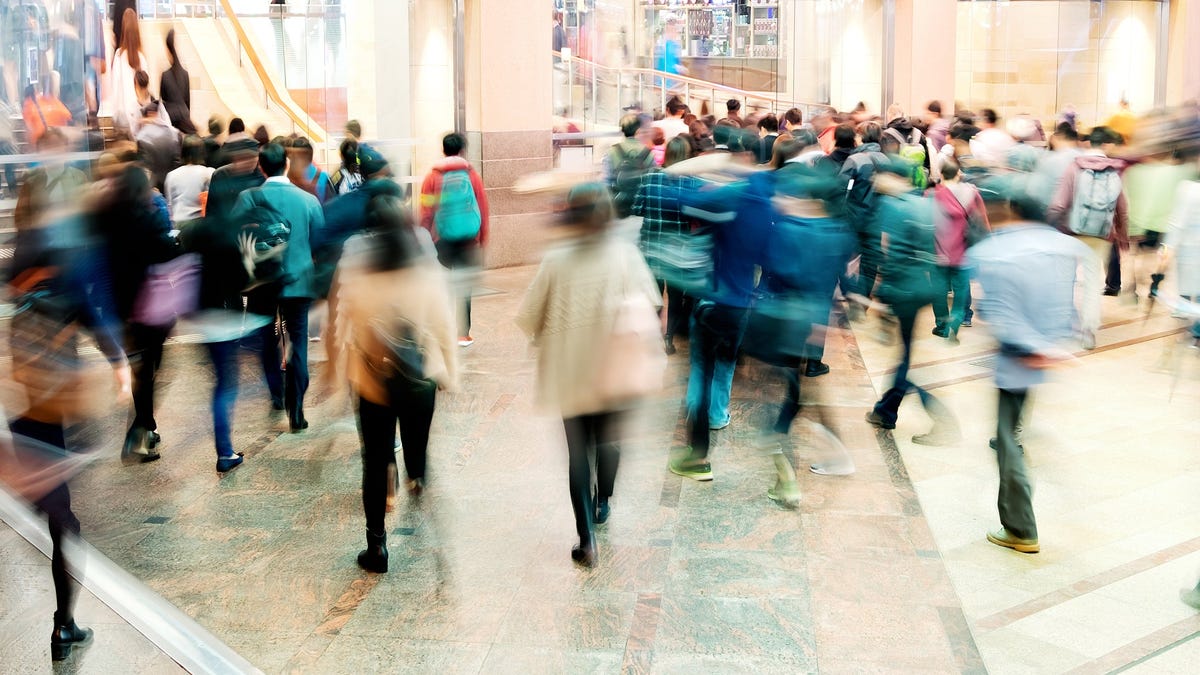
[[457, 217]]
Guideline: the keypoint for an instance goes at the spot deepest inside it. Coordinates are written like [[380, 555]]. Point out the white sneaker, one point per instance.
[[466, 341]]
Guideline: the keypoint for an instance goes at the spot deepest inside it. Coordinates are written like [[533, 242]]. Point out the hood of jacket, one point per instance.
[[1099, 162], [455, 163], [867, 147]]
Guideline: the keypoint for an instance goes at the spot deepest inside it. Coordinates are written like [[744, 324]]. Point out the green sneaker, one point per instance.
[[786, 494], [686, 466]]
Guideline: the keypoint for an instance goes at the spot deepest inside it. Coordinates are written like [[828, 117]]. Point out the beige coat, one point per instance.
[[418, 293], [569, 312]]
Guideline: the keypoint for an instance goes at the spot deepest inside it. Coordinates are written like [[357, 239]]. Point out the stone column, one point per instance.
[[925, 53], [509, 88], [1183, 61]]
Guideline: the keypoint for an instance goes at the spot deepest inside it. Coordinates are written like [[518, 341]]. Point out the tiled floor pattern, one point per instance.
[[883, 571], [1112, 449]]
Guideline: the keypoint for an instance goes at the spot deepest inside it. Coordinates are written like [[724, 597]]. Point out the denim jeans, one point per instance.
[[286, 385], [224, 357], [956, 280], [717, 332], [145, 359], [719, 389], [1015, 499], [889, 405]]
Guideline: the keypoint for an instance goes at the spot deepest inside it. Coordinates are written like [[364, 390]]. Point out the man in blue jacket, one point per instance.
[[288, 300], [741, 214]]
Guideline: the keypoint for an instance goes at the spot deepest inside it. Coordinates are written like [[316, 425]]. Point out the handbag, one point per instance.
[[171, 290], [634, 358]]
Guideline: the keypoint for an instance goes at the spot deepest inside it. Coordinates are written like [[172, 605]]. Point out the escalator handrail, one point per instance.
[[261, 71]]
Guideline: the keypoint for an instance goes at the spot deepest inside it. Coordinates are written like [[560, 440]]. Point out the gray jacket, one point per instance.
[[1027, 272]]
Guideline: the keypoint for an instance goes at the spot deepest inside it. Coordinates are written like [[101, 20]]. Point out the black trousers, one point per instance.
[[56, 504], [287, 384], [1015, 501], [412, 405], [145, 359], [589, 435], [678, 309]]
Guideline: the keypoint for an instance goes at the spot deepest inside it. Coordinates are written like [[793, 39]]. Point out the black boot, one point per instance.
[[375, 557], [1155, 280], [66, 636], [585, 553]]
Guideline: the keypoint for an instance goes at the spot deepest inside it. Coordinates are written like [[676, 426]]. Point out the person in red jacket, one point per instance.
[[454, 209]]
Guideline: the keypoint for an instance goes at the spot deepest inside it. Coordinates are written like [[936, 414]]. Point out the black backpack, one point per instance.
[[269, 232], [627, 171]]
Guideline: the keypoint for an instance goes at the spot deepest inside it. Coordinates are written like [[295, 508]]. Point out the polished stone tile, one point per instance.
[[732, 627], [356, 654], [584, 620]]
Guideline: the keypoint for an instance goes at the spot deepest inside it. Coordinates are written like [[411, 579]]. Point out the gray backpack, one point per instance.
[[1095, 204]]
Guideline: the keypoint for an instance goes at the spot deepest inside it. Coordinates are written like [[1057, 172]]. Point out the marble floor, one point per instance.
[[885, 570]]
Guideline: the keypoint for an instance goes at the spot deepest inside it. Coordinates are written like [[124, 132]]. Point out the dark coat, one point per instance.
[[175, 87]]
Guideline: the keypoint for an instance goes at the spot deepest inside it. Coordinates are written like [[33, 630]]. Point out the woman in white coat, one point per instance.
[[128, 59]]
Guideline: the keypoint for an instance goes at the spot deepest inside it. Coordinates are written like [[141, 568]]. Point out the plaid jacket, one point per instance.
[[658, 204]]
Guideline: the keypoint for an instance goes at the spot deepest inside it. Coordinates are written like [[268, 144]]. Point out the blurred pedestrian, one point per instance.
[[349, 176], [175, 87], [454, 209], [128, 60], [186, 188], [390, 314], [571, 312]]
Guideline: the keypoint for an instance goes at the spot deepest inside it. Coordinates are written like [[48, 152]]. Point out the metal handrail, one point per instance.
[[261, 71], [689, 81]]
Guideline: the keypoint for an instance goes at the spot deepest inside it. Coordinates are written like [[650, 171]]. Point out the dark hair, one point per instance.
[[589, 205], [805, 137], [453, 144], [934, 107], [193, 150], [302, 147], [963, 132], [390, 234], [678, 149], [794, 117], [675, 106], [141, 79], [261, 135], [733, 105], [870, 132], [237, 126], [1102, 135], [989, 115], [785, 149], [769, 123], [844, 136], [354, 128], [689, 118], [1067, 131], [215, 125], [658, 137], [630, 125], [272, 159], [171, 50], [349, 153], [949, 168]]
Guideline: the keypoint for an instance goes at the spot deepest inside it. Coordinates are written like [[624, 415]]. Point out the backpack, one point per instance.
[[268, 232], [401, 359], [627, 171], [913, 152], [1095, 202], [457, 217]]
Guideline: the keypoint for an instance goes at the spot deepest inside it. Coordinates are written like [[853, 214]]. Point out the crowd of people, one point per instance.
[[754, 235]]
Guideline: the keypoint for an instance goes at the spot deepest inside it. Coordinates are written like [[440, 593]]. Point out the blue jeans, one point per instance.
[[956, 280], [225, 365], [719, 389], [889, 405], [717, 332], [287, 386]]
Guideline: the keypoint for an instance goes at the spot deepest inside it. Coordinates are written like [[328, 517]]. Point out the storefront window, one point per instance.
[[1043, 57]]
